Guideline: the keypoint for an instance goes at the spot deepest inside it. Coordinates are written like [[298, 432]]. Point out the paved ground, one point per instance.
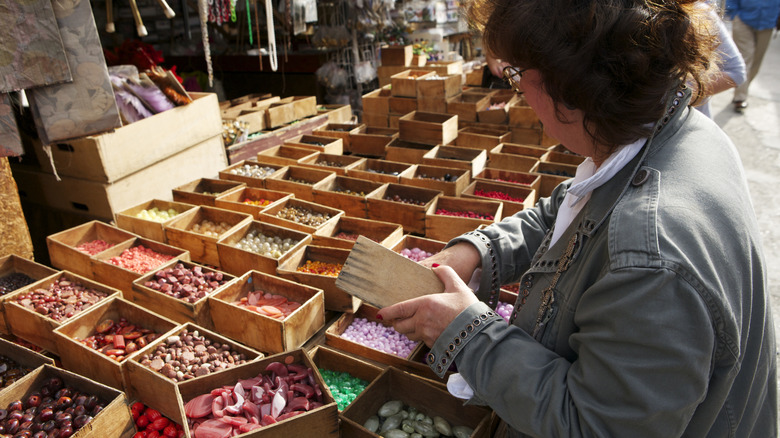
[[757, 136]]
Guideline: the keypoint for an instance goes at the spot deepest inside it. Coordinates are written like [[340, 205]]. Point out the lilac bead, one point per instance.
[[505, 310], [415, 254], [380, 337]]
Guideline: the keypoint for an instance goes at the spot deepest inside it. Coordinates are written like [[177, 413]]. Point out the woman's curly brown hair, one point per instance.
[[616, 60]]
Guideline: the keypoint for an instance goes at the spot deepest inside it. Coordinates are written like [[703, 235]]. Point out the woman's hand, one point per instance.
[[426, 317], [462, 257]]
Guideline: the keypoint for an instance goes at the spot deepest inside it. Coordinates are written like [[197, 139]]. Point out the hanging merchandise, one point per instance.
[[269, 24], [203, 14], [249, 23]]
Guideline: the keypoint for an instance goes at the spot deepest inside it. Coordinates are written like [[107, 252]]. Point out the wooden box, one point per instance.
[[474, 77], [62, 246], [372, 141], [513, 190], [523, 116], [177, 309], [563, 158], [410, 216], [340, 130], [512, 162], [271, 215], [304, 106], [122, 278], [300, 181], [532, 136], [384, 233], [263, 332], [333, 360], [428, 128], [449, 180], [443, 68], [203, 191], [86, 361], [438, 87], [231, 174], [376, 102], [377, 120], [260, 199], [318, 143], [481, 138], [404, 84], [158, 391], [347, 194], [458, 157], [525, 179], [396, 55], [13, 264], [466, 105], [321, 422], [335, 298], [432, 105], [36, 328], [150, 229], [202, 248], [24, 357], [406, 151], [337, 113], [555, 169], [512, 149], [284, 155], [426, 397], [500, 114], [113, 421], [253, 117], [402, 105], [548, 183], [338, 164], [445, 227], [382, 171], [238, 261], [280, 113]]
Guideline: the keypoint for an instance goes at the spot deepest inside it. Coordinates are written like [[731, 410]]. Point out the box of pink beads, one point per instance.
[[72, 249], [417, 248]]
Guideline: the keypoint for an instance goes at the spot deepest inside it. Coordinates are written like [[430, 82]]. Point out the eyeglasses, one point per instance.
[[512, 76]]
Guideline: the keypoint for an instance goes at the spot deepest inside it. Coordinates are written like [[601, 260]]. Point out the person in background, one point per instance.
[[752, 25], [643, 308]]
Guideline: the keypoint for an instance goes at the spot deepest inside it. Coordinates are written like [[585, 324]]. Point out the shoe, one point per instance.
[[739, 106]]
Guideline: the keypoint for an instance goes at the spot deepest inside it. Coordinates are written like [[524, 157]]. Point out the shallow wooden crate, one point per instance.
[[289, 181], [280, 113], [113, 421], [377, 120], [481, 138], [158, 391], [372, 141], [283, 155], [129, 220], [410, 216], [204, 191], [396, 55], [497, 115], [445, 67], [548, 183], [458, 157], [337, 113], [523, 116], [384, 233], [511, 149], [432, 105], [62, 245], [269, 215], [338, 164], [237, 261], [320, 422], [334, 360], [202, 248], [263, 140], [452, 183], [318, 143], [474, 77], [229, 174], [304, 106], [402, 105], [382, 171], [404, 84], [340, 130], [426, 244], [555, 169], [333, 194], [563, 158], [512, 162], [335, 298], [253, 117], [406, 151], [445, 227], [122, 278], [24, 357], [510, 207], [426, 397], [263, 332], [467, 105], [428, 128], [531, 136], [438, 87], [81, 359], [377, 101], [14, 264], [38, 329], [525, 179], [234, 201]]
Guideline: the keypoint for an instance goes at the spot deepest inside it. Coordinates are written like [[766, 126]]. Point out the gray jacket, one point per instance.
[[660, 326]]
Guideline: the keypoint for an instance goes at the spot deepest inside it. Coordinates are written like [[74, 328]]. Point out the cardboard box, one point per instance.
[[384, 233], [458, 157], [272, 215], [203, 249], [128, 219], [347, 194], [284, 155], [481, 138], [410, 216], [263, 332], [428, 128], [300, 181], [445, 227], [338, 164], [204, 191], [382, 171], [237, 201], [335, 298], [62, 246], [371, 142], [13, 264], [449, 180], [238, 261], [404, 84], [527, 195], [231, 173]]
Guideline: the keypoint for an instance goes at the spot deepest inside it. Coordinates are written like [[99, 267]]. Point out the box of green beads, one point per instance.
[[346, 376]]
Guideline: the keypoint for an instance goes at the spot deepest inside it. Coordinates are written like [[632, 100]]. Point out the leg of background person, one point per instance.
[[745, 40]]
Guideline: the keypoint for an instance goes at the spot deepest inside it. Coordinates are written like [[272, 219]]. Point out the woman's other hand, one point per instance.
[[462, 257]]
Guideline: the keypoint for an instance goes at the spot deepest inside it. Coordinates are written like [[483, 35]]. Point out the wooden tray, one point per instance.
[[444, 227], [202, 248], [513, 190], [372, 141], [459, 157], [428, 128], [284, 181], [335, 298], [13, 264], [283, 155], [229, 174], [340, 130], [234, 201], [128, 220], [269, 215], [482, 138], [203, 191], [411, 217], [318, 143], [238, 261], [382, 171], [338, 164], [455, 180], [62, 246], [406, 151], [332, 195], [385, 233]]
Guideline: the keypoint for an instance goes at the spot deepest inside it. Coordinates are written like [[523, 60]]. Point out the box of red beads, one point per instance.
[[187, 353], [400, 204], [251, 200], [17, 361], [514, 197], [346, 193], [72, 249], [318, 267], [276, 314], [180, 291], [199, 229], [98, 411], [285, 394], [250, 172], [148, 219], [304, 216], [430, 410], [456, 156], [349, 228], [34, 311], [299, 181], [259, 246], [448, 180], [15, 273], [203, 191], [98, 343], [451, 216]]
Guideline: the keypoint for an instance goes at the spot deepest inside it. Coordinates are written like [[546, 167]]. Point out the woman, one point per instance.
[[642, 309]]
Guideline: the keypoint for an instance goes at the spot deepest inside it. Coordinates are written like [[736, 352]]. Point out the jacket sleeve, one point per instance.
[[644, 349]]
